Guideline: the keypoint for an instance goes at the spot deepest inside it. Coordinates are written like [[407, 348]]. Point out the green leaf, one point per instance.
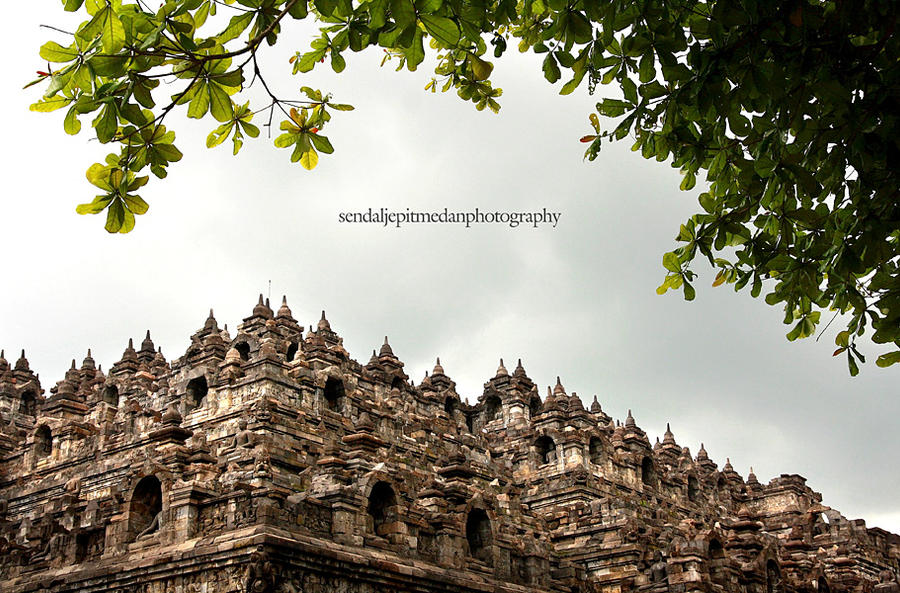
[[652, 90], [237, 25], [136, 204], [97, 206], [200, 101], [671, 263], [51, 104], [647, 69], [326, 7], [107, 25], [481, 69], [321, 143], [106, 124], [886, 360], [441, 28], [307, 61], [219, 103], [249, 128], [404, 14], [551, 68], [337, 62], [115, 217], [285, 140], [217, 136], [613, 107], [54, 52], [71, 124], [309, 159], [299, 10]]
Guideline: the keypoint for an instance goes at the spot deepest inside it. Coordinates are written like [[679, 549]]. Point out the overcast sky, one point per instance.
[[576, 301]]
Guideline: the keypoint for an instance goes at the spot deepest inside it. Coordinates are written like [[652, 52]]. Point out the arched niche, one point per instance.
[[334, 394], [545, 450], [693, 488], [382, 509], [534, 406], [479, 535], [243, 349], [648, 471], [470, 423], [492, 407], [717, 562], [450, 405], [197, 389], [773, 577], [110, 395], [43, 442], [28, 403], [398, 383], [145, 508], [292, 351], [595, 450]]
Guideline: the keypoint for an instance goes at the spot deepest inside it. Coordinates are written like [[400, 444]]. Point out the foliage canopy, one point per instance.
[[788, 107]]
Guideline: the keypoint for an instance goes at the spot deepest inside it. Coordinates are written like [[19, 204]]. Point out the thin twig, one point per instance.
[[57, 29]]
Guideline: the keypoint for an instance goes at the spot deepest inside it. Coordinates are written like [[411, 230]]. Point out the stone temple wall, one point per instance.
[[273, 462]]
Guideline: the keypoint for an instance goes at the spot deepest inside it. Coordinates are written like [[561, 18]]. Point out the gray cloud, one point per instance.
[[576, 301]]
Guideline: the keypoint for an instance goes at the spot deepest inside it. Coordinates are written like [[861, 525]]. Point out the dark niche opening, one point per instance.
[[693, 488], [243, 349], [716, 562], [450, 405], [595, 450], [28, 404], [89, 545], [111, 395], [479, 535], [648, 472], [82, 544], [144, 512], [820, 524], [470, 423], [491, 408], [43, 442], [534, 406], [382, 509], [545, 449], [398, 383], [197, 389], [334, 394], [292, 351], [773, 577]]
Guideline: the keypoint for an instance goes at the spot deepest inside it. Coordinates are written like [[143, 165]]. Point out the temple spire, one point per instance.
[[323, 322], [519, 370], [559, 389], [284, 310]]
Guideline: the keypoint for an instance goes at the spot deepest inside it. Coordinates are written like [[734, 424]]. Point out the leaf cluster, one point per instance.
[[787, 110]]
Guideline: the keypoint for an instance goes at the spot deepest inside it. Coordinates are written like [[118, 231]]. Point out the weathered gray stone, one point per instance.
[[273, 462]]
